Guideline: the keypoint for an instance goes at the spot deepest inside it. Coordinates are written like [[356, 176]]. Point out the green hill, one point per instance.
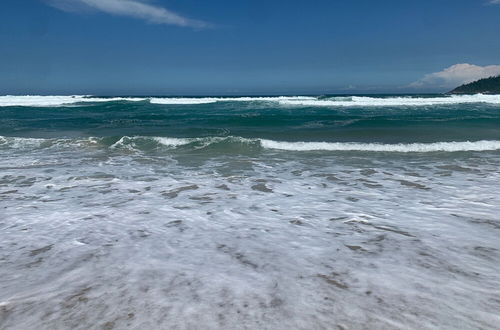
[[485, 86]]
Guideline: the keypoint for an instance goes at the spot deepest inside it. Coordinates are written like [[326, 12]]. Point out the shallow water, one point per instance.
[[193, 230]]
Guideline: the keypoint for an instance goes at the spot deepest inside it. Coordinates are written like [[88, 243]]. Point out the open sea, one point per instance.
[[292, 212]]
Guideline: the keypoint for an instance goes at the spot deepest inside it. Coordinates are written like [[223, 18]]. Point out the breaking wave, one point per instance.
[[51, 101], [379, 147], [309, 101], [363, 101], [207, 100], [232, 144]]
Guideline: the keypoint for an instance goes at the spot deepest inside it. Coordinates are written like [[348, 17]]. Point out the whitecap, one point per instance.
[[208, 100], [379, 147], [57, 100], [364, 101]]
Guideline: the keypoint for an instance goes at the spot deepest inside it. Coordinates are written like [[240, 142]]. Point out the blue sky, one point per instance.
[[164, 47]]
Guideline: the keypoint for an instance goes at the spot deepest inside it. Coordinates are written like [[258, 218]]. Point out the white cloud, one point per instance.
[[494, 1], [456, 75], [131, 8]]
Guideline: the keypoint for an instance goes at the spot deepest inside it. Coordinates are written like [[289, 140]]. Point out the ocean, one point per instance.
[[291, 212]]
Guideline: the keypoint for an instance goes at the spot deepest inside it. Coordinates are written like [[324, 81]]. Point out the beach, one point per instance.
[[289, 212]]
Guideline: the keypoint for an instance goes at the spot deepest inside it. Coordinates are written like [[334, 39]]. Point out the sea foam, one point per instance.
[[94, 239]]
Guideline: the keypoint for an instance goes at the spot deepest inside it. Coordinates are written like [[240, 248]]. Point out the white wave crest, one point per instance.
[[207, 100], [378, 147], [345, 101], [202, 142], [363, 101], [55, 100], [172, 142], [51, 101], [182, 100]]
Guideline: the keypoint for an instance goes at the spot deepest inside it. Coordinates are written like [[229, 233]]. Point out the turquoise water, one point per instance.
[[286, 119], [303, 212]]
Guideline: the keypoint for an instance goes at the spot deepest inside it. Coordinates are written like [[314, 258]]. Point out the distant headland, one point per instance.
[[484, 86]]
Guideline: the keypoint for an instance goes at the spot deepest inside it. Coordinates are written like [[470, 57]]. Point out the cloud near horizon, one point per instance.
[[456, 75], [140, 9]]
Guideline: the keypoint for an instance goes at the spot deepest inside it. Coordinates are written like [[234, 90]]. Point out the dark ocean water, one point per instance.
[[305, 212]]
